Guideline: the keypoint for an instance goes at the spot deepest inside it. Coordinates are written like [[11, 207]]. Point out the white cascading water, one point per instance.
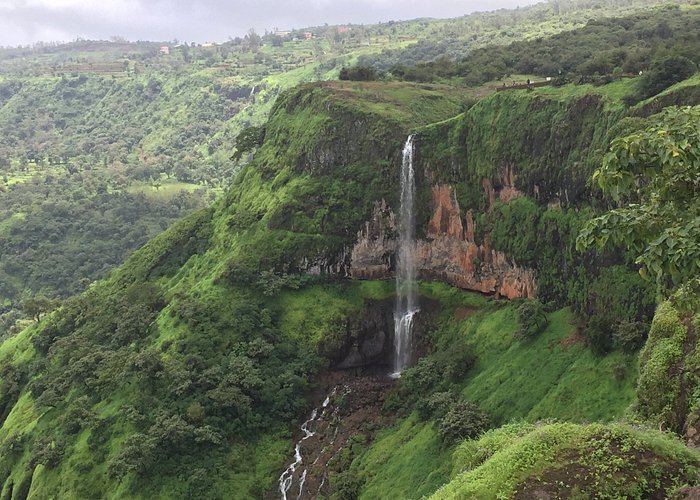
[[406, 297], [287, 478]]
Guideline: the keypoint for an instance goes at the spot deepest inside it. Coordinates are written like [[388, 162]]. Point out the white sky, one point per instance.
[[28, 21]]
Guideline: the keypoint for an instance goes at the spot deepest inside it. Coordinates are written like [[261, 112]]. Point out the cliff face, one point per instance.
[[373, 254], [486, 164], [448, 252]]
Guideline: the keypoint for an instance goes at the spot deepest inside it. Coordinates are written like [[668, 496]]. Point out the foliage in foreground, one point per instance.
[[655, 175], [569, 460]]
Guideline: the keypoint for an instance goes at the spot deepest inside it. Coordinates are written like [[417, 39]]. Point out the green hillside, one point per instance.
[[93, 128], [180, 373], [555, 351]]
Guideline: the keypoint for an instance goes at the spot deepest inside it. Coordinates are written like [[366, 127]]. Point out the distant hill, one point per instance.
[[265, 313]]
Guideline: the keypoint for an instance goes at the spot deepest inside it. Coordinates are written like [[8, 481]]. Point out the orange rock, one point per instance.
[[449, 253]]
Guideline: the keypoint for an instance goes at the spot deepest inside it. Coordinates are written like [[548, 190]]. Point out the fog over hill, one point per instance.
[[29, 21]]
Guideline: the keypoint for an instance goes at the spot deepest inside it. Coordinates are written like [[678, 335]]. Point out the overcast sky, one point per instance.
[[28, 21]]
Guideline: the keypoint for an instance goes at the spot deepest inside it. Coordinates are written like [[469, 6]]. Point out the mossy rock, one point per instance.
[[571, 461]]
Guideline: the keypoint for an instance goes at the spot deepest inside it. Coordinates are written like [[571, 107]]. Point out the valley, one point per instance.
[[264, 282]]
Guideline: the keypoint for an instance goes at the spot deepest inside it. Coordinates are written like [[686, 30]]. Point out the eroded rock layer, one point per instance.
[[448, 252]]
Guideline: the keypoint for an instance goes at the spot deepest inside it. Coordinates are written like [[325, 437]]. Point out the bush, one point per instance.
[[598, 334], [532, 319], [463, 421], [13, 445], [359, 73], [347, 485], [456, 360], [416, 383], [419, 379], [436, 405], [47, 452], [662, 74], [630, 335], [77, 416]]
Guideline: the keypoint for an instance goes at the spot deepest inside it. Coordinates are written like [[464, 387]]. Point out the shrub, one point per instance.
[[456, 360], [598, 334], [463, 421], [664, 73], [436, 405], [630, 335], [47, 452], [347, 485], [359, 73], [532, 319], [77, 416], [14, 444], [421, 378], [195, 413]]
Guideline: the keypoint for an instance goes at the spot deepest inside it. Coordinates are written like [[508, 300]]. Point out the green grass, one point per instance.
[[322, 311], [168, 189], [572, 461], [553, 376], [402, 462], [18, 348], [615, 90]]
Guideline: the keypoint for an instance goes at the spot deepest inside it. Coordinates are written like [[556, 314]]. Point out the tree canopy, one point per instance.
[[654, 176]]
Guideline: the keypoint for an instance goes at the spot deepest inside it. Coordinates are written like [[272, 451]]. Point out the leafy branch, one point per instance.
[[654, 175]]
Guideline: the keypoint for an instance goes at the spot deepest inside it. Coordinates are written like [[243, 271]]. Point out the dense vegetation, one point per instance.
[[60, 235], [451, 40], [182, 373], [604, 47], [196, 349], [183, 351], [166, 119]]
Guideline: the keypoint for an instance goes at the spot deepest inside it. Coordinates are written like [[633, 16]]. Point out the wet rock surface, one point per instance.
[[353, 407], [367, 347], [448, 253]]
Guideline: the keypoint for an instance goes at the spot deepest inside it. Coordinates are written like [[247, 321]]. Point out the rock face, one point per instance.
[[373, 254], [368, 343], [449, 252], [691, 433]]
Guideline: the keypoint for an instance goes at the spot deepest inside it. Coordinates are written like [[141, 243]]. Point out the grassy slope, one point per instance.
[[553, 377], [191, 264], [572, 461]]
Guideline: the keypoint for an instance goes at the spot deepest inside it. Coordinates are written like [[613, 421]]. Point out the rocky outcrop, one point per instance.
[[368, 343], [691, 433], [508, 192], [373, 253], [448, 253]]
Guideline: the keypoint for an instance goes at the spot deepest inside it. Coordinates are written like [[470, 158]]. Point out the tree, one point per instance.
[[463, 421], [248, 140], [654, 176], [662, 74], [532, 319], [254, 40], [35, 306], [359, 73]]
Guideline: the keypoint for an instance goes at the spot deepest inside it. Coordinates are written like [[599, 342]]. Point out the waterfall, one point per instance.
[[286, 480], [406, 297]]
